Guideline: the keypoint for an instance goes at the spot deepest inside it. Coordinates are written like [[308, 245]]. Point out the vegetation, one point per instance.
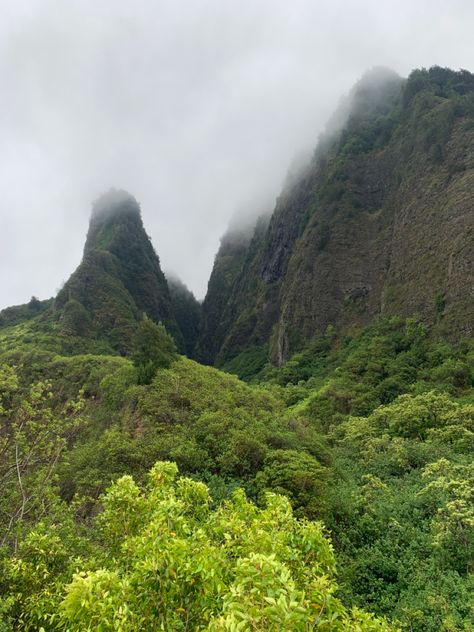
[[370, 435], [356, 449], [164, 559], [153, 348], [348, 239], [187, 311]]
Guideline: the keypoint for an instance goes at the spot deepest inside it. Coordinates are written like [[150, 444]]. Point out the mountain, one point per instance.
[[187, 312], [227, 269], [380, 222], [368, 430], [118, 280]]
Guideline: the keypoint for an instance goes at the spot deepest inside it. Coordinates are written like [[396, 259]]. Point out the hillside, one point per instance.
[[372, 435], [325, 479], [228, 268], [379, 223], [118, 281], [187, 312]]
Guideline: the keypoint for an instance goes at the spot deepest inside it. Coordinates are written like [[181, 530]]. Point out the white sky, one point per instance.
[[195, 107]]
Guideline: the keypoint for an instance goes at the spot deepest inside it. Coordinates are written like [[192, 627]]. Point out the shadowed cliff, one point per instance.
[[379, 222]]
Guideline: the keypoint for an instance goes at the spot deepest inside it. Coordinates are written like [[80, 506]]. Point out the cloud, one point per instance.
[[196, 107]]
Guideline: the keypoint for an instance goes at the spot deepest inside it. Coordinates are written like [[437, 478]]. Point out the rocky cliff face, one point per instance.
[[118, 280], [187, 312], [227, 269], [231, 289], [380, 222]]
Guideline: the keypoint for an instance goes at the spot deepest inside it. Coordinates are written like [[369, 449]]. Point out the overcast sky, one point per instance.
[[195, 107]]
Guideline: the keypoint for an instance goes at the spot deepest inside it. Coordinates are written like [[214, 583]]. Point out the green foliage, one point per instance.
[[300, 477], [403, 510], [453, 527], [212, 424], [76, 320], [32, 439], [372, 434], [187, 311], [153, 349], [167, 561], [248, 363], [440, 81], [21, 313]]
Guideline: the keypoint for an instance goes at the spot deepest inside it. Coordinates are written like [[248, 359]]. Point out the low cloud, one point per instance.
[[197, 108]]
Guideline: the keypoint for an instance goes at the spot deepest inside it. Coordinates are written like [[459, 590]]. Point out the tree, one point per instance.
[[153, 349], [172, 563], [32, 439], [453, 526]]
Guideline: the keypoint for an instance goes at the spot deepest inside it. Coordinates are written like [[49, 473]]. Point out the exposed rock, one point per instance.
[[382, 222]]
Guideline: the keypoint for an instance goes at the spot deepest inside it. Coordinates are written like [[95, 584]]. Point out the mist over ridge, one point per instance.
[[237, 315], [379, 222], [197, 112]]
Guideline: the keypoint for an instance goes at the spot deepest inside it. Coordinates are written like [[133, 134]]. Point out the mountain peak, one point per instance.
[[114, 202], [119, 278], [112, 209]]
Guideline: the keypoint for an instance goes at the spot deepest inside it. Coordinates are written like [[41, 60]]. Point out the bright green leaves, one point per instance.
[[263, 596], [162, 474], [8, 387], [413, 417], [33, 438], [453, 526], [97, 601], [36, 576], [124, 512], [177, 565]]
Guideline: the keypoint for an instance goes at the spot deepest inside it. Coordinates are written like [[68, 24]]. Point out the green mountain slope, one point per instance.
[[187, 312], [381, 222], [227, 271], [118, 280], [373, 435]]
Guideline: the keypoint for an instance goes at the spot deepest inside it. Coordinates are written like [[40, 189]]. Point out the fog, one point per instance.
[[198, 108]]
